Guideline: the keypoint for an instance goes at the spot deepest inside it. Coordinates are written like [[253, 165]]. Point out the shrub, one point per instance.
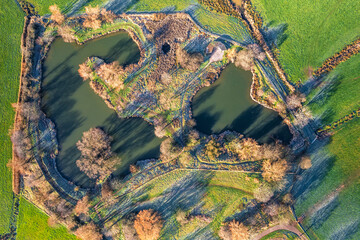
[[148, 225], [188, 61], [67, 33], [56, 15], [263, 193], [305, 162]]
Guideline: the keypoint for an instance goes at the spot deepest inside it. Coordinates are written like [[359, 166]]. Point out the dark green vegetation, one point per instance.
[[75, 108], [227, 105]]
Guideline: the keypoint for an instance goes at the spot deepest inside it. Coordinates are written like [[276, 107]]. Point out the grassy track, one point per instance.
[[156, 5], [11, 24], [316, 30], [32, 225]]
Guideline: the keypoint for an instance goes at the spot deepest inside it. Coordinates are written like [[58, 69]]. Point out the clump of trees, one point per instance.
[[97, 159], [111, 73], [148, 224], [189, 61], [234, 231], [245, 58], [56, 14], [94, 17]]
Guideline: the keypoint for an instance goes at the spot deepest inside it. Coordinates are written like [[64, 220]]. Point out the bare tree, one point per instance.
[[188, 61], [169, 149], [82, 206], [263, 193], [92, 17], [274, 170], [295, 100], [67, 33], [96, 160], [148, 225], [56, 14], [30, 111], [111, 73], [88, 231], [245, 58], [234, 231], [85, 71]]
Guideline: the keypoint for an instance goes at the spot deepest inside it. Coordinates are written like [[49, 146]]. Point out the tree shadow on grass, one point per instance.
[[275, 35], [312, 177]]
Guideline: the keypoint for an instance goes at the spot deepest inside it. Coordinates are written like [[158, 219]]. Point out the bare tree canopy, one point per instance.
[[189, 61], [96, 160], [56, 14], [234, 231], [148, 225]]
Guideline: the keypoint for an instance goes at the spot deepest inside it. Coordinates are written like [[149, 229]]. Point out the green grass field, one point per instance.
[[33, 225], [345, 146], [31, 221], [11, 24], [344, 97], [315, 30]]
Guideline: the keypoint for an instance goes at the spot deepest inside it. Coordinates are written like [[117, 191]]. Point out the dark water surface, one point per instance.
[[226, 105], [75, 108]]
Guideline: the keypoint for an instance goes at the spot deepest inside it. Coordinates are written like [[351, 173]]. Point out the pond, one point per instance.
[[227, 105], [74, 107]]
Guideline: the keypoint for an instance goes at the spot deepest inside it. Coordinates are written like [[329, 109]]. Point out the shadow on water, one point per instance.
[[74, 108], [226, 105]]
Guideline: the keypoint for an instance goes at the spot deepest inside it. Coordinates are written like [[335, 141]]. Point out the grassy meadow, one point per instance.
[[33, 225], [315, 30], [11, 24], [343, 95]]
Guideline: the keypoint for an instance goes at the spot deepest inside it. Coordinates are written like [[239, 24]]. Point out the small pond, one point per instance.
[[227, 105], [73, 106]]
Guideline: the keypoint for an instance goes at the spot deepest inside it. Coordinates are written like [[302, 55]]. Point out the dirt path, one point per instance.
[[290, 228]]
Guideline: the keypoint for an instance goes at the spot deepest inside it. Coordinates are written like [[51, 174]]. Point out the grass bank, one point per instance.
[[315, 30]]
